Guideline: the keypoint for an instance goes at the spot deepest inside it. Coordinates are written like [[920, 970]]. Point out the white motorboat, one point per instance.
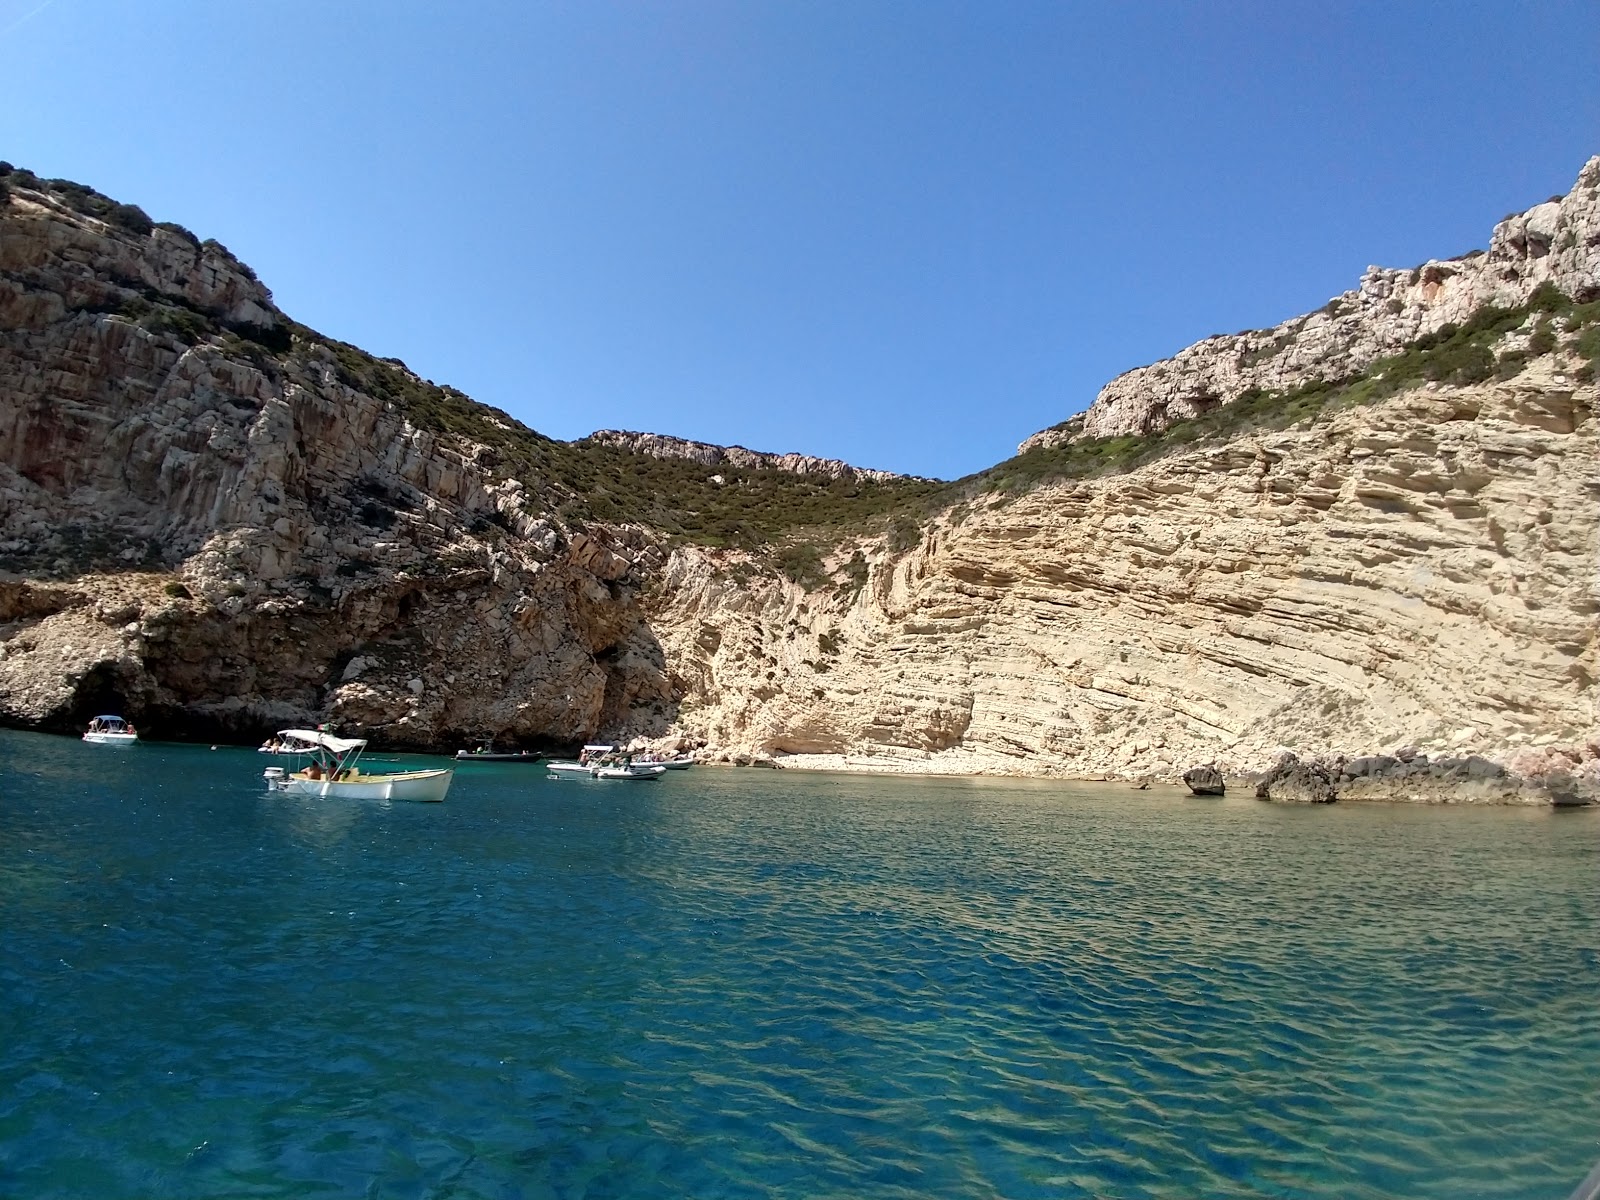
[[631, 771], [110, 731], [603, 762], [568, 767], [680, 763], [584, 765], [335, 770]]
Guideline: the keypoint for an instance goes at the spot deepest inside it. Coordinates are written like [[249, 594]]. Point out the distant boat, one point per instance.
[[487, 753], [602, 762], [681, 762], [110, 731], [335, 771]]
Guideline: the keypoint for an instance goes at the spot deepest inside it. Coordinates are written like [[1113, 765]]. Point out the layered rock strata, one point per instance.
[[293, 548], [1421, 571], [206, 524]]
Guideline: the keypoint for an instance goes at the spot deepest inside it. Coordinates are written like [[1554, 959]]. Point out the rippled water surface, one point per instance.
[[751, 984]]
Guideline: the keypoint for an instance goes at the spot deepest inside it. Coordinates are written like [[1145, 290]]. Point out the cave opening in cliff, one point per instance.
[[97, 692]]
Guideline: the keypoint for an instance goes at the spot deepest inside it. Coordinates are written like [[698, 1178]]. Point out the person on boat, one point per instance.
[[314, 771]]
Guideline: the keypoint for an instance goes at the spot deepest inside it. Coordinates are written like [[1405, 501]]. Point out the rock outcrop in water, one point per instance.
[[1205, 781], [213, 521]]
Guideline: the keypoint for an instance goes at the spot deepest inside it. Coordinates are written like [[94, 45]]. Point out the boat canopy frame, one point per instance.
[[336, 756]]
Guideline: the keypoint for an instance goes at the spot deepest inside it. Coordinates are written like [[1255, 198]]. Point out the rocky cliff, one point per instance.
[[1555, 243], [658, 445], [221, 522], [1418, 572], [218, 534]]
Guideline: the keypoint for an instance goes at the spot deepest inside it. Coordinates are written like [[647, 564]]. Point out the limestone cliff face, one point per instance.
[[1556, 242], [1418, 572], [208, 522], [268, 544], [662, 446]]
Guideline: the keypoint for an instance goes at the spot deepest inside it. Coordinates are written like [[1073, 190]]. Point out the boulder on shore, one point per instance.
[[1296, 782], [1205, 781]]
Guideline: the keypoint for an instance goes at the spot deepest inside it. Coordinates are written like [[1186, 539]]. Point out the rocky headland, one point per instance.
[[1371, 544]]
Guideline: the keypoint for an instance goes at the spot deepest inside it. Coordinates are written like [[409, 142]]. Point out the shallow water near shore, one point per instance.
[[766, 984]]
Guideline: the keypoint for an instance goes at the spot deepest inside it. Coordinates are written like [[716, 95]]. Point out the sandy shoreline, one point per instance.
[[1470, 781]]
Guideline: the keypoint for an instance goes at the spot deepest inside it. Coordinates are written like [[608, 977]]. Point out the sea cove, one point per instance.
[[747, 983]]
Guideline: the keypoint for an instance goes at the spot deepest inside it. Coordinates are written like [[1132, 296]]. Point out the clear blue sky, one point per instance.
[[904, 234]]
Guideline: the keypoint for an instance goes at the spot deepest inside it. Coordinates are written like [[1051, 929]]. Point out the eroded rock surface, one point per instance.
[[1418, 572], [1557, 242], [659, 445], [221, 538], [295, 549]]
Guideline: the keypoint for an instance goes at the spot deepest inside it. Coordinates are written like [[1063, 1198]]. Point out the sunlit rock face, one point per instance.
[[295, 551], [1557, 242], [1420, 572], [218, 534], [659, 445]]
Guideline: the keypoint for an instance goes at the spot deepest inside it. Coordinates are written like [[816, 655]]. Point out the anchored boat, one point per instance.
[[680, 762], [603, 762], [630, 771], [335, 770], [110, 731], [487, 753]]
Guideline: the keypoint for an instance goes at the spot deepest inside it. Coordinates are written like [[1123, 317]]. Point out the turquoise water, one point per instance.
[[754, 984]]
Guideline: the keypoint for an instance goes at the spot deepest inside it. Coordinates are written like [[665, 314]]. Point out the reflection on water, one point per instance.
[[742, 983]]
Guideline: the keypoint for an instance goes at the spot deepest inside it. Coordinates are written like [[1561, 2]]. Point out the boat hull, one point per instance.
[[574, 769], [422, 786], [468, 756], [577, 770], [111, 739]]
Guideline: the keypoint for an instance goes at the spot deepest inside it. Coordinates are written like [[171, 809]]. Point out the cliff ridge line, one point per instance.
[[1556, 242]]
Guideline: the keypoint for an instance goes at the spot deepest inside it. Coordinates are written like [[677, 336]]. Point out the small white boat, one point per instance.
[[335, 771], [681, 763], [631, 771], [110, 731], [602, 762], [589, 758], [567, 767]]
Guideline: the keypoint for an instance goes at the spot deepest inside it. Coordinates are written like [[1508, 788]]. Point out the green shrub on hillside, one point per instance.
[[904, 533], [1452, 354], [185, 234], [792, 517], [801, 563]]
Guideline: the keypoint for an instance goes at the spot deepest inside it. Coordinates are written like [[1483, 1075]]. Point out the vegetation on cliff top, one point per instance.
[[761, 508], [1454, 354], [589, 481]]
